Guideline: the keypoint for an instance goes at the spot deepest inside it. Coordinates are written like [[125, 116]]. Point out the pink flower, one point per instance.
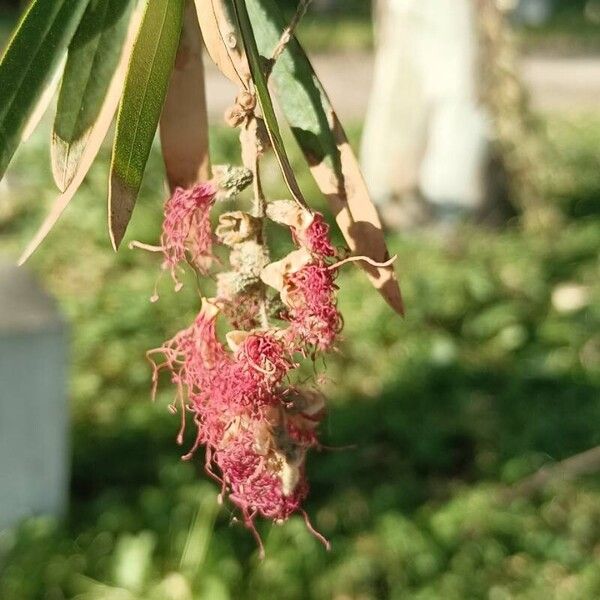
[[264, 356], [312, 310], [192, 354], [186, 228], [315, 237], [254, 480]]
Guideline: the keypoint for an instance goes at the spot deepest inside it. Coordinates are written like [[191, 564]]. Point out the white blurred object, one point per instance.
[[34, 457], [425, 129], [570, 297]]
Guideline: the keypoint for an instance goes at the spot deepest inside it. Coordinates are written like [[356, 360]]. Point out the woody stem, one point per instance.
[[260, 212]]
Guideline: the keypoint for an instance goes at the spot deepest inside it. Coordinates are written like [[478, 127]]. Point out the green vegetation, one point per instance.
[[493, 373], [350, 30], [570, 31]]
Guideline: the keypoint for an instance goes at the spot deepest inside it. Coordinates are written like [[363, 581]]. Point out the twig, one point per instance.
[[586, 463], [370, 261], [142, 246], [288, 32], [251, 156]]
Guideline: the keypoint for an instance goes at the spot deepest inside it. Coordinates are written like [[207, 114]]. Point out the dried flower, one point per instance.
[[255, 480], [237, 227], [186, 229], [311, 300], [315, 237], [256, 426], [309, 230]]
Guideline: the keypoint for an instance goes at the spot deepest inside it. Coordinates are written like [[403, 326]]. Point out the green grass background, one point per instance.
[[483, 382]]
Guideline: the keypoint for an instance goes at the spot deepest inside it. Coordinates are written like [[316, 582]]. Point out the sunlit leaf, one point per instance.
[[264, 98], [95, 139], [93, 57], [184, 120], [44, 101], [29, 63], [325, 146], [221, 39], [139, 112]]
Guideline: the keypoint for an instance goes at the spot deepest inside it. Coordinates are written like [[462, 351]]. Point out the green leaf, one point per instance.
[[303, 98], [92, 60], [96, 137], [264, 98], [139, 112], [322, 139], [38, 44]]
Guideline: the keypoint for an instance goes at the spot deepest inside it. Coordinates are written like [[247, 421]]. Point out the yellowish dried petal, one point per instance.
[[274, 274], [236, 338], [209, 308], [237, 227], [307, 402], [286, 212], [290, 476]]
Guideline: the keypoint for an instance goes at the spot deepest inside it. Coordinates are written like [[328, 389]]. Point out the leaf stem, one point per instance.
[[288, 32]]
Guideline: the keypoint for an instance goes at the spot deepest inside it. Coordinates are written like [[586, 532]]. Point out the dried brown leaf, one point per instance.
[[222, 41], [184, 120], [357, 216]]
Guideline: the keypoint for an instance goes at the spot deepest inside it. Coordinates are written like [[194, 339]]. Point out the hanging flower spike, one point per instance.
[[186, 231]]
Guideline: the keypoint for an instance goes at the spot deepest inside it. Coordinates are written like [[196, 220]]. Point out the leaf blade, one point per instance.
[[93, 57], [264, 99], [97, 136], [139, 111], [184, 119], [220, 38], [29, 60], [321, 137]]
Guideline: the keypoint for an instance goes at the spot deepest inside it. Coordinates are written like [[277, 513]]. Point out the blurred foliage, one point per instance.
[[347, 27], [574, 28], [493, 373]]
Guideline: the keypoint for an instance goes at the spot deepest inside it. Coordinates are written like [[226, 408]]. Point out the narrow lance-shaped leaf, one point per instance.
[[139, 112], [184, 120], [93, 57], [322, 139], [28, 64], [97, 135], [264, 98], [44, 100]]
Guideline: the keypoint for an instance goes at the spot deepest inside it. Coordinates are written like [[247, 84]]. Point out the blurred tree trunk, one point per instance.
[[428, 146], [517, 143]]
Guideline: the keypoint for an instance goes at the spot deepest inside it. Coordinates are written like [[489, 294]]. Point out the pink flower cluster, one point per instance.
[[255, 425]]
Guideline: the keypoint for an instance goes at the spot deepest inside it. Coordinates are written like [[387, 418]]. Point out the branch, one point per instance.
[[586, 463]]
